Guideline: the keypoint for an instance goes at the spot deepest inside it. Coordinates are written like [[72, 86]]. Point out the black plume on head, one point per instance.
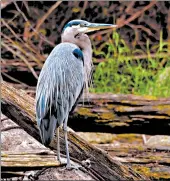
[[73, 22]]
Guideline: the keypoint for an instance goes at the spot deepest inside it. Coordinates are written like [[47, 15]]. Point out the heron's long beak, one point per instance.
[[96, 26]]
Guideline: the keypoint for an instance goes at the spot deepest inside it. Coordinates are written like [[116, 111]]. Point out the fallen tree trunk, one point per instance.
[[122, 114], [20, 108]]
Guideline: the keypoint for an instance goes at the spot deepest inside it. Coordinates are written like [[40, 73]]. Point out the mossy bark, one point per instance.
[[122, 114]]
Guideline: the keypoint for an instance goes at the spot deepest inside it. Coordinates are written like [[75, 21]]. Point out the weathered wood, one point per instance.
[[122, 114], [22, 161], [20, 108], [14, 164], [137, 154], [151, 162], [151, 159]]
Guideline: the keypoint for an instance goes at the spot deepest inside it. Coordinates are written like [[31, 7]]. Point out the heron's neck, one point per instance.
[[87, 53]]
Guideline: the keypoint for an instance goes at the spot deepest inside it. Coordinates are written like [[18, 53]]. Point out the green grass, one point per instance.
[[125, 71]]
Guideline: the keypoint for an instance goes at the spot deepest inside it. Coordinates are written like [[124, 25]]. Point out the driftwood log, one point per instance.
[[122, 114], [19, 107]]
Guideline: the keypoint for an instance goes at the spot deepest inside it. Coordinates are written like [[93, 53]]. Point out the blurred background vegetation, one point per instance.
[[134, 59]]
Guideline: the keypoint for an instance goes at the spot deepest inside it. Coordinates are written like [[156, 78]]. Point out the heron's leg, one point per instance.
[[69, 166], [58, 145], [66, 142]]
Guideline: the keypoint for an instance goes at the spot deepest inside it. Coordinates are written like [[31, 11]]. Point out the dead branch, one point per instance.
[[122, 22], [21, 56], [84, 8], [41, 21], [20, 48], [26, 20], [137, 14]]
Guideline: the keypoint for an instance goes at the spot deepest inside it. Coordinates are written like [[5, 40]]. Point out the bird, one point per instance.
[[65, 73]]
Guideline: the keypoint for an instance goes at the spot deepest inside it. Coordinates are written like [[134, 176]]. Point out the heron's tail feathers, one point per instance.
[[47, 128]]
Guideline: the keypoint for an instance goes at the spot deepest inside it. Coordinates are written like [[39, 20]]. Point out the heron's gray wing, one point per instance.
[[75, 104], [59, 85]]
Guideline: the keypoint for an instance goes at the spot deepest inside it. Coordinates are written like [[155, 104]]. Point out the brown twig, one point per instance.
[[122, 23], [15, 62], [21, 49], [137, 14], [147, 30], [3, 21], [26, 6], [41, 21], [37, 33], [84, 7], [11, 21], [130, 7], [19, 10], [21, 56]]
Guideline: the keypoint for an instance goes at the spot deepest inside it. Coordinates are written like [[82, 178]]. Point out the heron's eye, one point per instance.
[[83, 24]]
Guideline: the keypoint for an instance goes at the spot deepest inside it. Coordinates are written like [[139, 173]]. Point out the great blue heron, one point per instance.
[[63, 76]]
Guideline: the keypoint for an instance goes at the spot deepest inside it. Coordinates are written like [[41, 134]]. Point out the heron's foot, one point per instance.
[[72, 167]]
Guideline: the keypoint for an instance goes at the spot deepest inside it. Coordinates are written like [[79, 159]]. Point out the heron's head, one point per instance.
[[75, 31]]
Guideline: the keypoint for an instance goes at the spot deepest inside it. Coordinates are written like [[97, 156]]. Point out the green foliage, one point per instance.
[[129, 71]]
